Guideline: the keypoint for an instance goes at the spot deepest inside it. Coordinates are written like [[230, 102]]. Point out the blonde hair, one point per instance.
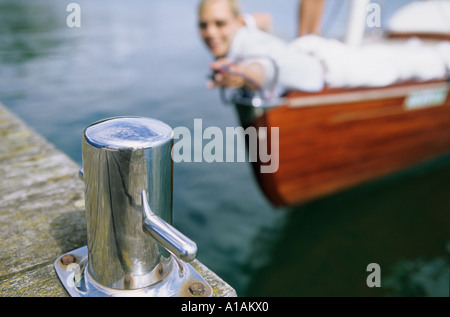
[[234, 6]]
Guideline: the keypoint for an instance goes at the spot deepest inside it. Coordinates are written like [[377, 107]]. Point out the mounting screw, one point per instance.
[[67, 259], [197, 289]]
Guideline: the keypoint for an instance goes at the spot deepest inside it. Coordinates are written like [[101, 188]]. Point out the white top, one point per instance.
[[310, 62], [296, 70]]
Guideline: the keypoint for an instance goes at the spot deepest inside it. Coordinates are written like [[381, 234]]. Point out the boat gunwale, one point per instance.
[[341, 95]]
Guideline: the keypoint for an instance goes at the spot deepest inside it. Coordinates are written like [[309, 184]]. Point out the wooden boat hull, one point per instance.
[[338, 139], [423, 36]]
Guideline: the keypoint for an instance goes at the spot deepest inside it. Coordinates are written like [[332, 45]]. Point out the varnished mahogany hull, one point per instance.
[[423, 36], [338, 139]]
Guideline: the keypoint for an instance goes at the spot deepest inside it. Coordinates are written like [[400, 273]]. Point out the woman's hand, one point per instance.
[[226, 74], [234, 75]]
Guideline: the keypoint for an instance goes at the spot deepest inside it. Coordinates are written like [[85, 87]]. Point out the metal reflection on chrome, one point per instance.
[[178, 282], [128, 174]]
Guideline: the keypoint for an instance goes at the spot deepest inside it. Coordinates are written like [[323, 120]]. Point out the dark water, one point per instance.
[[145, 58]]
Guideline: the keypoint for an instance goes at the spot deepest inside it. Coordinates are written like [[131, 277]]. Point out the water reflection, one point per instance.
[[402, 223], [25, 30]]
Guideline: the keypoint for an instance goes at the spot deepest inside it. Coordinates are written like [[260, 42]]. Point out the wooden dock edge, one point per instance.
[[42, 213]]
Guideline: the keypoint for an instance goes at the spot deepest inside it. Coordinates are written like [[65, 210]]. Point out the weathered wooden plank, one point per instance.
[[37, 282], [41, 199], [42, 213]]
